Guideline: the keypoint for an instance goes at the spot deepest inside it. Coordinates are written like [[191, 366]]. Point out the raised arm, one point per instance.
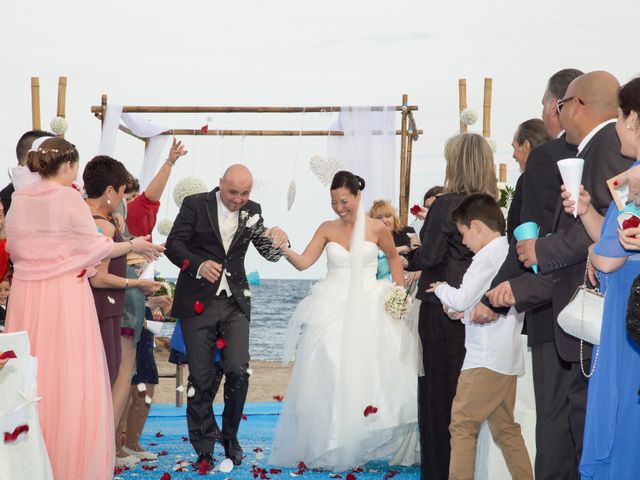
[[157, 185], [312, 252]]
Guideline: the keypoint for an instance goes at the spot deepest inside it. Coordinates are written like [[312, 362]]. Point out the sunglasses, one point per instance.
[[560, 103]]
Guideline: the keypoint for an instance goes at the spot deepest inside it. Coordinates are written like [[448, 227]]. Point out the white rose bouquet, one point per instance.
[[397, 302]]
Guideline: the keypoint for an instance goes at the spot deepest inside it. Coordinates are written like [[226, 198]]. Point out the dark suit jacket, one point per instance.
[[539, 187], [195, 237], [513, 216], [442, 256], [564, 253], [5, 197]]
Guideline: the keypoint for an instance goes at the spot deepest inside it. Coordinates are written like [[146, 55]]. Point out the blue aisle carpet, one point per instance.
[[166, 431]]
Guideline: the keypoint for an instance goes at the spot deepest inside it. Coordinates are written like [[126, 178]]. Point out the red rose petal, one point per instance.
[[279, 398], [162, 453], [149, 467], [415, 210], [117, 471], [165, 476], [153, 444], [221, 343], [13, 436], [82, 273], [370, 410], [185, 264], [185, 439], [615, 183], [357, 469], [204, 129], [244, 417], [257, 449], [390, 474], [198, 307], [204, 467], [351, 476], [631, 222], [158, 435], [302, 466], [275, 471], [8, 354]]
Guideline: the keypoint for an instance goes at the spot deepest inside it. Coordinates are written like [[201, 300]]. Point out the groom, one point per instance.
[[208, 241]]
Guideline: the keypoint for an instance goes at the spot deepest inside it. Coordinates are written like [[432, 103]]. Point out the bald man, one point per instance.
[[587, 112], [208, 241]]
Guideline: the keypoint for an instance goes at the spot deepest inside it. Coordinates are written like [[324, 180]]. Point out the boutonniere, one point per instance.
[[243, 215]]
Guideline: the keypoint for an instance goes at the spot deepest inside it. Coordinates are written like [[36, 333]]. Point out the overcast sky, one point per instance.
[[295, 53]]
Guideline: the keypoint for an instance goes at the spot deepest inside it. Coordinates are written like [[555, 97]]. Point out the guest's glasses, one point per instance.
[[560, 103]]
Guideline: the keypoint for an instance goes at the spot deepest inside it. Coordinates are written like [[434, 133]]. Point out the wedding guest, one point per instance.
[[529, 135], [613, 412], [587, 113], [22, 149], [443, 257], [54, 245], [104, 182], [429, 197], [540, 185], [494, 358]]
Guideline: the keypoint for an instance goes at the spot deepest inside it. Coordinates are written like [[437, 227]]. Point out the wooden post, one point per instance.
[[502, 173], [103, 108], [462, 100], [62, 98], [409, 156], [486, 108], [35, 103], [404, 194]]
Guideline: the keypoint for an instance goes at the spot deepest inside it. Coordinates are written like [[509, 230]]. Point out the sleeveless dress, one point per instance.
[[349, 360]]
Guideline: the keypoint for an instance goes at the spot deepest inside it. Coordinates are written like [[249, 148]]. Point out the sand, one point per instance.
[[269, 379]]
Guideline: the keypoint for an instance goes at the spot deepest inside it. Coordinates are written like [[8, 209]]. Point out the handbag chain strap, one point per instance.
[[595, 357]]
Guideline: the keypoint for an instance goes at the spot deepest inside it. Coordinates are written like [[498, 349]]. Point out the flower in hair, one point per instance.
[[468, 116], [59, 125]]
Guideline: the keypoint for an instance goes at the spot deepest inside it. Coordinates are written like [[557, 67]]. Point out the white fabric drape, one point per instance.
[[141, 127], [368, 149]]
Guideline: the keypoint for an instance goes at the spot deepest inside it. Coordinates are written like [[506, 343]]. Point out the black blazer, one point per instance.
[[539, 187], [195, 237], [564, 253], [442, 256], [513, 215], [5, 197]]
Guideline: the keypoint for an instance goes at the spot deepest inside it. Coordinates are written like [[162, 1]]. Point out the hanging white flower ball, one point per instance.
[[188, 186], [59, 125], [468, 116], [164, 227], [492, 143], [291, 194]]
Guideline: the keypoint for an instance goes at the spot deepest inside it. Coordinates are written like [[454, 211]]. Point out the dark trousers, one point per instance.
[[442, 355], [221, 319], [561, 401]]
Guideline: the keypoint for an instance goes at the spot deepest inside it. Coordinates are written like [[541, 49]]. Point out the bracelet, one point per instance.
[[170, 162], [126, 283]]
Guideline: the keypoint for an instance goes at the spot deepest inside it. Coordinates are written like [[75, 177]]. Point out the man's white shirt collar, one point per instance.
[[591, 134]]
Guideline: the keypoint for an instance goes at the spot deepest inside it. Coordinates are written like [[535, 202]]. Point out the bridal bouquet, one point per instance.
[[397, 302]]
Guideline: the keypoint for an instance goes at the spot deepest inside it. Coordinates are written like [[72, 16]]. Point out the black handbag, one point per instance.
[[633, 311]]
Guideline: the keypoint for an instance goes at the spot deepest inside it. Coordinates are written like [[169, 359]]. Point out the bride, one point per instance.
[[351, 396]]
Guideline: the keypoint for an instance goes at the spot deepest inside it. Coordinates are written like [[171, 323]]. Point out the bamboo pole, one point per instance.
[[409, 157], [404, 181], [62, 98], [219, 109], [103, 109], [462, 101], [35, 103], [502, 175], [486, 108]]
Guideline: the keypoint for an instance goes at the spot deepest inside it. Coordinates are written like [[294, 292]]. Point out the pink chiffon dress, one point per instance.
[[54, 245]]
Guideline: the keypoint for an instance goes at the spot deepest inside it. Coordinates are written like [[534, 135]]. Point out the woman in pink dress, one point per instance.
[[55, 245]]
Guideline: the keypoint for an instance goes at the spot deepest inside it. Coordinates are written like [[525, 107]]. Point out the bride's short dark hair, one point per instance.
[[348, 180]]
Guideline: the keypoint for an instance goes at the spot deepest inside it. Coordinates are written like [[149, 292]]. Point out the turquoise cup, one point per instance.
[[527, 231]]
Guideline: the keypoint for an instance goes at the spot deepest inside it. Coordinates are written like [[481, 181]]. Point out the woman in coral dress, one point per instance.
[[55, 245]]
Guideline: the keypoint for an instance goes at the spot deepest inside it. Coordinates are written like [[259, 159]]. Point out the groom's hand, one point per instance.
[[210, 270], [278, 237]]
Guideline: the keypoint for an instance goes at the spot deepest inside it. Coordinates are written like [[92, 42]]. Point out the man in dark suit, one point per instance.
[[540, 188], [587, 112], [22, 149], [208, 241]]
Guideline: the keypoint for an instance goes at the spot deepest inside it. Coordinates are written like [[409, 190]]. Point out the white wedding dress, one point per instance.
[[352, 355]]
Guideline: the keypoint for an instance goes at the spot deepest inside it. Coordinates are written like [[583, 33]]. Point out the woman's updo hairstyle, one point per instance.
[[348, 180], [50, 155]]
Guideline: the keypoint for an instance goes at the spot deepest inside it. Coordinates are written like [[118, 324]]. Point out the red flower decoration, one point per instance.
[[204, 129], [82, 273], [221, 343], [244, 417], [279, 398], [149, 467], [204, 467], [162, 453], [198, 307], [631, 222], [13, 436], [415, 209], [370, 410], [165, 476], [158, 435], [351, 476], [185, 264], [275, 471], [185, 439], [8, 354]]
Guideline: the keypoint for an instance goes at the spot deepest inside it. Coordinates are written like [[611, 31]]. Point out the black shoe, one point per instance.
[[204, 464], [232, 450]]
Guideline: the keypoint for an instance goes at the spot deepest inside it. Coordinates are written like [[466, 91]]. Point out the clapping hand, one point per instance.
[[177, 150], [569, 203]]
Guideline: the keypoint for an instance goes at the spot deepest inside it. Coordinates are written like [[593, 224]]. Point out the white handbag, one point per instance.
[[582, 318]]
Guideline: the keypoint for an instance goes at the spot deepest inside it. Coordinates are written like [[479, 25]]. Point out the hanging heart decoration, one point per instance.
[[291, 194], [324, 168]]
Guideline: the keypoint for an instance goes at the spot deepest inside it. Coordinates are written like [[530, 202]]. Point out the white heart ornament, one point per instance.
[[324, 168]]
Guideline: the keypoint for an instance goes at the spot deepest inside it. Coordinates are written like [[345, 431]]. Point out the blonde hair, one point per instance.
[[469, 165], [384, 207]]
